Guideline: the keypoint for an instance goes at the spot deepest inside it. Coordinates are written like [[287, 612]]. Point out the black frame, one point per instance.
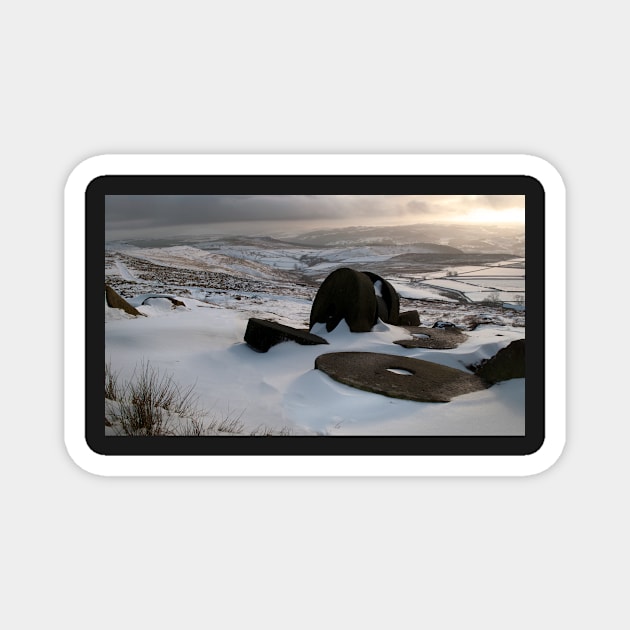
[[322, 185]]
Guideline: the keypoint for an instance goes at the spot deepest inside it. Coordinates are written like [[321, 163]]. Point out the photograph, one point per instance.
[[302, 315]]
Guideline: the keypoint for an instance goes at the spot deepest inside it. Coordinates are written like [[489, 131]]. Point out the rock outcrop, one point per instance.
[[116, 301], [506, 364]]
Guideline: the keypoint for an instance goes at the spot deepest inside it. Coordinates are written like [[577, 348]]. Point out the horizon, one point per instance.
[[162, 216], [281, 230]]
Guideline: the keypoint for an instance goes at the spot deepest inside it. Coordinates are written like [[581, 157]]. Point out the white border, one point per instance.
[[318, 465]]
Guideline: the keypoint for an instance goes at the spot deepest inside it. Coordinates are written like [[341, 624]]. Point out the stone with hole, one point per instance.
[[398, 377]]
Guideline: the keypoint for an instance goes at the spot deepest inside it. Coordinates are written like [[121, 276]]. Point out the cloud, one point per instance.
[[152, 213]]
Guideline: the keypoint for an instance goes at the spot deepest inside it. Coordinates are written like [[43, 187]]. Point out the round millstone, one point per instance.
[[433, 338], [398, 377]]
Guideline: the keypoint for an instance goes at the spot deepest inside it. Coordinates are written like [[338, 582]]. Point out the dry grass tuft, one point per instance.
[[152, 404]]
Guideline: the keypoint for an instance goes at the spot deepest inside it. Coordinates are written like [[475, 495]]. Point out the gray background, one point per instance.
[[81, 79]]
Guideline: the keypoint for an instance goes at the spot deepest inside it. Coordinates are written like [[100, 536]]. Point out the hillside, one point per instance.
[[433, 238]]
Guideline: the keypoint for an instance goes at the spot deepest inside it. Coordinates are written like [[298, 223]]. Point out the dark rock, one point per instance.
[[409, 318], [478, 320], [434, 338], [506, 364], [441, 324], [345, 294], [116, 301], [389, 296], [262, 335], [421, 381]]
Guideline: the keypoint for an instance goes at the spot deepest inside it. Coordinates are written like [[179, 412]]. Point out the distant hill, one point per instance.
[[431, 237]]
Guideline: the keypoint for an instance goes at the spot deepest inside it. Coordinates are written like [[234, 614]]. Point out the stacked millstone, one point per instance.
[[387, 301], [359, 297], [345, 294]]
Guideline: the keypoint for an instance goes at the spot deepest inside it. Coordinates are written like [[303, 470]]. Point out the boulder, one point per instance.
[[506, 364], [262, 335], [409, 318], [443, 324], [345, 294], [116, 301]]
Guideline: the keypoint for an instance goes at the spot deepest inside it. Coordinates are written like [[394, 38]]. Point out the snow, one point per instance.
[[124, 272], [475, 284], [421, 292], [500, 284], [495, 270], [202, 345], [500, 281]]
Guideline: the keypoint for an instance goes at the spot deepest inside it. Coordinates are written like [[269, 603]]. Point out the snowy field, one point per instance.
[[504, 281], [203, 346], [200, 345]]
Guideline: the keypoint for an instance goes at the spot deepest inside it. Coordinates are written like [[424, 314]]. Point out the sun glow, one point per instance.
[[483, 215]]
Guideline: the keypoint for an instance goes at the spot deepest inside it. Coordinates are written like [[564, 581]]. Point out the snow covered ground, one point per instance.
[[201, 344], [504, 281]]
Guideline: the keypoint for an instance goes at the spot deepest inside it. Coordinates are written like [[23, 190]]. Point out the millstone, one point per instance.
[[345, 294], [390, 309], [262, 335], [414, 379], [433, 338]]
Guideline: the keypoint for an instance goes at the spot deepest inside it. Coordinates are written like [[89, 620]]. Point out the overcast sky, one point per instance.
[[145, 216]]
